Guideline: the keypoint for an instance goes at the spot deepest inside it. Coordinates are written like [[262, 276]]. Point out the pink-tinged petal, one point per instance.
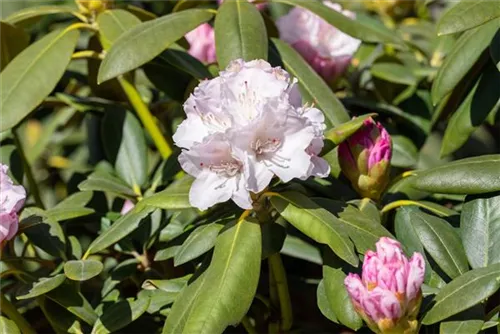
[[355, 288], [8, 225], [389, 250], [202, 43], [382, 304], [12, 196], [319, 167], [415, 276], [127, 206]]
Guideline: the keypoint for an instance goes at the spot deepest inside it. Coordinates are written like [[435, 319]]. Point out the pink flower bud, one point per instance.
[[127, 206], [202, 43], [365, 159], [388, 295], [324, 47], [11, 201]]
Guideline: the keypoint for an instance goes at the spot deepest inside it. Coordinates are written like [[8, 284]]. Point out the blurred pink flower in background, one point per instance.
[[365, 159], [327, 49], [388, 295], [12, 199], [202, 43], [127, 206]]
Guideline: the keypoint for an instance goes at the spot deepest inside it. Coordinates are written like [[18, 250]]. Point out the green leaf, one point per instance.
[[299, 249], [472, 326], [480, 225], [199, 242], [441, 241], [8, 326], [82, 270], [174, 285], [464, 292], [12, 41], [120, 229], [315, 222], [473, 111], [72, 300], [466, 15], [45, 60], [113, 23], [404, 152], [231, 280], [173, 197], [323, 303], [120, 315], [343, 131], [44, 232], [312, 84], [495, 50], [30, 13], [125, 145], [79, 199], [363, 28], [466, 176], [102, 181], [44, 285], [240, 32], [461, 58], [395, 73], [339, 299], [147, 40], [184, 62]]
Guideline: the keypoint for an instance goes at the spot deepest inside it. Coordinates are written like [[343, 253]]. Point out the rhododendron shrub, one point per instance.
[[264, 166]]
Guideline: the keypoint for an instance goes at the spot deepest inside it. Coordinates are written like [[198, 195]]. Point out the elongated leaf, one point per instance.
[[33, 74], [323, 303], [462, 57], [79, 199], [44, 285], [8, 326], [68, 213], [120, 315], [466, 176], [466, 15], [495, 50], [125, 146], [199, 241], [68, 297], [456, 327], [240, 32], [404, 152], [231, 282], [82, 270], [341, 132], [298, 248], [147, 40], [315, 222], [30, 13], [441, 242], [12, 41], [174, 197], [312, 84], [44, 232], [392, 72], [362, 27], [481, 100], [113, 23], [120, 229], [480, 225], [339, 299], [102, 181], [463, 292]]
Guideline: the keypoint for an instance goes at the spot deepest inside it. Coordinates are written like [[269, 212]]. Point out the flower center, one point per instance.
[[268, 145], [227, 168]]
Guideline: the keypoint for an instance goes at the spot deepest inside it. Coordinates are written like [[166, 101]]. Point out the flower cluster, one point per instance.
[[11, 201], [365, 159], [327, 49], [388, 295], [243, 128]]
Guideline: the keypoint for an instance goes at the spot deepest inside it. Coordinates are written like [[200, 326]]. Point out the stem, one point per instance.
[[146, 117], [13, 314], [248, 326], [404, 202], [27, 170], [87, 54], [279, 275]]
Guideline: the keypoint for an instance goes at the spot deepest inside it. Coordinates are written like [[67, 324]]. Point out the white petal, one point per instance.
[[209, 188], [190, 131], [241, 196], [257, 175]]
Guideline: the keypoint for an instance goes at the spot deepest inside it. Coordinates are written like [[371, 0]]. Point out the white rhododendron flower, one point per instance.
[[242, 129]]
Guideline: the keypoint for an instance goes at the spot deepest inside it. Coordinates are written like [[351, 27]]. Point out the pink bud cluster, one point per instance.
[[388, 294], [12, 199]]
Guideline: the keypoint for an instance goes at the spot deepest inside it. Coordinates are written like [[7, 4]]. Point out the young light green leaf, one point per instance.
[[141, 44], [125, 145], [44, 285], [312, 84], [199, 242], [480, 225], [461, 58], [441, 241], [466, 15], [8, 326], [464, 292], [466, 176], [240, 32], [315, 222], [231, 282], [33, 74], [82, 270]]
